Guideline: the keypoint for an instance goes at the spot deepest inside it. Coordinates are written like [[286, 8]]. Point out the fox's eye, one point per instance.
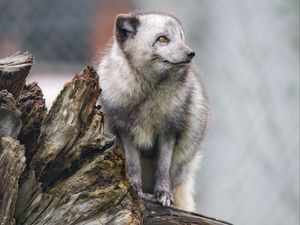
[[162, 39]]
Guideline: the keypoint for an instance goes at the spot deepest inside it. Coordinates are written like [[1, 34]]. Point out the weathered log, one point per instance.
[[75, 172], [13, 72], [72, 178]]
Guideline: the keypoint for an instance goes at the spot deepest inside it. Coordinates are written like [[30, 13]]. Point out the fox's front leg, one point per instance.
[[162, 187], [133, 163]]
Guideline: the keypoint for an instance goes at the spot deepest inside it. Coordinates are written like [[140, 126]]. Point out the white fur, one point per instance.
[[126, 82]]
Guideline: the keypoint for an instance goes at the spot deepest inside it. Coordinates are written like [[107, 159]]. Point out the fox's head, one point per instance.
[[153, 43]]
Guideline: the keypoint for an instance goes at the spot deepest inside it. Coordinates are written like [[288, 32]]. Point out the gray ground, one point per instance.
[[248, 54]]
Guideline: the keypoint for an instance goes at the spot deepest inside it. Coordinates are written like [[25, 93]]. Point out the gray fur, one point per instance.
[[154, 102]]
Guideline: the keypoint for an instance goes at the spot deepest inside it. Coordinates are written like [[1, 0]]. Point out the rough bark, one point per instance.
[[75, 173], [10, 122], [12, 163], [33, 109]]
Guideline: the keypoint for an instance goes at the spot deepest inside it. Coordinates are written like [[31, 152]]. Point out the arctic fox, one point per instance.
[[155, 104]]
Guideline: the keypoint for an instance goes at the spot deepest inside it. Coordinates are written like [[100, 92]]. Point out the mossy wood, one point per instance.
[[58, 167]]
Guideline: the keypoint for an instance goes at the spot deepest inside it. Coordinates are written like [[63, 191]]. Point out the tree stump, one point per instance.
[[73, 172]]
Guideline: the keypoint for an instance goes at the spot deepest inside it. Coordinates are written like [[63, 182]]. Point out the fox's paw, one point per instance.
[[164, 197]]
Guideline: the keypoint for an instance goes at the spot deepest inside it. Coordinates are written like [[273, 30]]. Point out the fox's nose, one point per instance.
[[191, 55]]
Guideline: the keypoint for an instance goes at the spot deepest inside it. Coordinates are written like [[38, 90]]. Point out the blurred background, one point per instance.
[[248, 55]]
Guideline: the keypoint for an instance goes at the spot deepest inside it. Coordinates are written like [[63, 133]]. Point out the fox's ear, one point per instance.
[[125, 27]]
